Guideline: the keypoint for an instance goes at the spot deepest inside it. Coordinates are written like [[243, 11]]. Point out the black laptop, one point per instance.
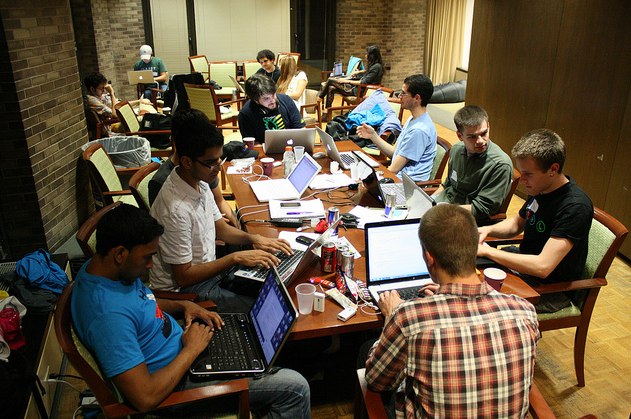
[[249, 343]]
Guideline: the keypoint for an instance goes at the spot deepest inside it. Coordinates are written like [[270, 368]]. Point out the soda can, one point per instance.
[[389, 204], [332, 216], [341, 248], [348, 264], [328, 258]]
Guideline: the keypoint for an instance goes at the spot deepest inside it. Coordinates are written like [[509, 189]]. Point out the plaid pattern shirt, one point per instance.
[[468, 351]]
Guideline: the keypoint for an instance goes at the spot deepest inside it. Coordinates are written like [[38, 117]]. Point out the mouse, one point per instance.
[[318, 155], [386, 180]]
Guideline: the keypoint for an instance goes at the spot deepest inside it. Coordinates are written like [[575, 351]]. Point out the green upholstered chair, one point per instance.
[[199, 64], [139, 184], [368, 403], [606, 235], [110, 401], [220, 72], [106, 184], [501, 213], [250, 67], [129, 120], [203, 97]]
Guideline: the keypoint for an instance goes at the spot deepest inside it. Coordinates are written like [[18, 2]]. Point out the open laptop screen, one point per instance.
[[393, 251], [272, 316], [337, 68], [303, 173]]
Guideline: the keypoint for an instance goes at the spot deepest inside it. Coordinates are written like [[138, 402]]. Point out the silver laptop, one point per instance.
[[237, 84], [394, 258], [337, 69], [379, 190], [140, 77], [249, 343], [344, 158], [291, 188], [416, 199], [290, 267], [276, 140]]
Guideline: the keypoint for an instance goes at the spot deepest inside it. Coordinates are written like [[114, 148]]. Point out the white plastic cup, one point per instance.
[[334, 167], [355, 171], [305, 293], [268, 165], [249, 142], [299, 151], [494, 277]]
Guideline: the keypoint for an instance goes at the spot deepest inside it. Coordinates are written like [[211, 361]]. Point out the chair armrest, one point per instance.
[[209, 305], [539, 408], [580, 284], [174, 295], [324, 75], [215, 390], [372, 402], [150, 132], [434, 183], [332, 109], [117, 193], [228, 127]]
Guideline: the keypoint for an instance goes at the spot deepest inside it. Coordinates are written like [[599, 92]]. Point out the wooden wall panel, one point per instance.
[[592, 76], [511, 64]]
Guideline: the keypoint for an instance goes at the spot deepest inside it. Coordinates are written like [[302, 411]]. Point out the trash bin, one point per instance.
[[125, 151]]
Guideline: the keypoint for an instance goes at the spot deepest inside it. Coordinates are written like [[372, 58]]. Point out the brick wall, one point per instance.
[[42, 123], [398, 28]]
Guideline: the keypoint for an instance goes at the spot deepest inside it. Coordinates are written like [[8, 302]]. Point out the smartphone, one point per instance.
[[304, 240]]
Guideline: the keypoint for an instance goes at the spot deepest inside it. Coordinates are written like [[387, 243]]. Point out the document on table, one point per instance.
[[326, 181], [311, 208], [374, 215]]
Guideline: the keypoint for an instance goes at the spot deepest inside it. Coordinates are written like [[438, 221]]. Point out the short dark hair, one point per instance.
[[265, 53], [126, 226], [93, 80], [544, 146], [449, 233], [193, 133], [258, 85], [470, 116], [420, 84]]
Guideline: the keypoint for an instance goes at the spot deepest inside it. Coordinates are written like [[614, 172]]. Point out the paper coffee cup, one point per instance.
[[494, 277]]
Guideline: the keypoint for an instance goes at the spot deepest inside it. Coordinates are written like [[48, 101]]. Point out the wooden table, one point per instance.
[[326, 323]]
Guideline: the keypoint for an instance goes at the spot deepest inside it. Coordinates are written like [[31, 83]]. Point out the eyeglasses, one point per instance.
[[210, 165], [400, 94]]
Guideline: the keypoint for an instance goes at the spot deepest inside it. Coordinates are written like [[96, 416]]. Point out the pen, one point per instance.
[[299, 213]]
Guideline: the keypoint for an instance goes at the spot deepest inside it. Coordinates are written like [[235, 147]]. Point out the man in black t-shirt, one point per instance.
[[555, 218], [268, 68]]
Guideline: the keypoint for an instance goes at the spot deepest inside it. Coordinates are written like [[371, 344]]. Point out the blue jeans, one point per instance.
[[281, 394], [218, 289]]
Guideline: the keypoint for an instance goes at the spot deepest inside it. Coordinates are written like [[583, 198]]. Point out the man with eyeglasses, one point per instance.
[[416, 146], [186, 259], [479, 174], [266, 109]]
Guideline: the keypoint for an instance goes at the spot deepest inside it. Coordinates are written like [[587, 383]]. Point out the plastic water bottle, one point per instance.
[[289, 161]]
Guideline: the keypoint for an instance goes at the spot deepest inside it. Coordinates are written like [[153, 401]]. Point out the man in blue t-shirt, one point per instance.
[[136, 342], [415, 148]]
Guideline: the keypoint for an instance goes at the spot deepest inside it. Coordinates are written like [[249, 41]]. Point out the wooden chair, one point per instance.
[[311, 109], [219, 72], [501, 213], [199, 64], [106, 184], [294, 55], [606, 235], [365, 90], [250, 67], [203, 98], [129, 120], [368, 403], [110, 402], [139, 184]]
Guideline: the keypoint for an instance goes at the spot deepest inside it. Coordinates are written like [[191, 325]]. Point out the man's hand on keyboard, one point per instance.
[[196, 337], [429, 289], [271, 245], [255, 258], [388, 301], [193, 311]]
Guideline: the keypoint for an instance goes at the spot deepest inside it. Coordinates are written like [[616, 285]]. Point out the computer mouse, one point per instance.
[[386, 180], [318, 155]]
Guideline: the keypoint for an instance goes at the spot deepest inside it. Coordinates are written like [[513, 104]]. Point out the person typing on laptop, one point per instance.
[[136, 342], [416, 145], [429, 344], [149, 62], [266, 110], [186, 260], [480, 172]]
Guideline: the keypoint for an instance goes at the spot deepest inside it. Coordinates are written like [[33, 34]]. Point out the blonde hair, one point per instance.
[[288, 69]]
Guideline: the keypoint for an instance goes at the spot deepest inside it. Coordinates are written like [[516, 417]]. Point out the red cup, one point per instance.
[[268, 165], [249, 142], [494, 277]]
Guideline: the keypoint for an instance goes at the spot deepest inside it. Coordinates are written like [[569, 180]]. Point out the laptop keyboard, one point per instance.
[[397, 189], [230, 348], [285, 267], [348, 159], [409, 293]]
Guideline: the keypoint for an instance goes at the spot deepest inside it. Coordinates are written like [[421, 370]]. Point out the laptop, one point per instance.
[[337, 69], [379, 190], [249, 343], [237, 84], [292, 266], [416, 199], [140, 77], [344, 158], [290, 188], [276, 140], [394, 258]]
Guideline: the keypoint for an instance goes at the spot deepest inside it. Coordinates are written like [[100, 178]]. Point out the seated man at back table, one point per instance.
[[267, 59], [555, 219], [186, 260], [479, 174], [465, 351], [415, 148], [266, 110], [136, 342], [156, 65]]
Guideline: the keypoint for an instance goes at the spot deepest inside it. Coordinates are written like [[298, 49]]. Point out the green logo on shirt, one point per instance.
[[541, 227]]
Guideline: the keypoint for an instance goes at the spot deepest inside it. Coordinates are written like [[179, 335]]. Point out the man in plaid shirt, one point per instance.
[[464, 349]]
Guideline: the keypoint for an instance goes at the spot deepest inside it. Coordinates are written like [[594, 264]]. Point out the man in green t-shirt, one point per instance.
[[156, 65]]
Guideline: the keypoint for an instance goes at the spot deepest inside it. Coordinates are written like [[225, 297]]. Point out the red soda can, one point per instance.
[[328, 258]]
